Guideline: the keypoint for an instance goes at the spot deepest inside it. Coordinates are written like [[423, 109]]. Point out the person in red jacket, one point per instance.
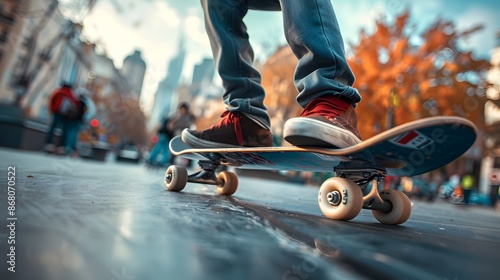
[[61, 104]]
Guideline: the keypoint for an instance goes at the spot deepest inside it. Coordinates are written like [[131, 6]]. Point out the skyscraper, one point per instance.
[[165, 98], [203, 72], [133, 70]]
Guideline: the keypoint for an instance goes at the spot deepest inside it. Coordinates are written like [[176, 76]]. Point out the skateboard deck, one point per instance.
[[407, 150], [410, 149]]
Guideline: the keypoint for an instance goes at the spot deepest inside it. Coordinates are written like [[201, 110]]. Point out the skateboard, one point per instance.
[[410, 149]]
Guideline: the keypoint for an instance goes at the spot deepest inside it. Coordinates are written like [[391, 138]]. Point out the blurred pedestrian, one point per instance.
[[450, 188], [494, 184], [80, 116], [160, 154], [468, 183], [61, 103], [181, 119], [171, 126]]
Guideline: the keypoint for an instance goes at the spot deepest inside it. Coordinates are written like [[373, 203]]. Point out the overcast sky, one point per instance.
[[155, 27]]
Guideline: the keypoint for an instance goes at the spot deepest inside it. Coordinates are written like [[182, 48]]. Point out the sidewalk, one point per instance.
[[75, 219]]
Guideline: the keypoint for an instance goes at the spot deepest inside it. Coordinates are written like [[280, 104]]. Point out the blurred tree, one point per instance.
[[125, 120], [401, 81], [76, 10], [402, 76], [277, 79]]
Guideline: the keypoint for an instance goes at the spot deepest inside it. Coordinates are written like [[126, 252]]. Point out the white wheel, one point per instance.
[[401, 208], [340, 199], [175, 178], [230, 185]]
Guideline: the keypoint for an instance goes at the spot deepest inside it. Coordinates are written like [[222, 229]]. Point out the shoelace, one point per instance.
[[229, 118]]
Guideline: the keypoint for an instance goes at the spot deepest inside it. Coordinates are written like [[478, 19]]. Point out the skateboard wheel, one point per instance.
[[175, 178], [401, 208], [230, 183], [340, 199]]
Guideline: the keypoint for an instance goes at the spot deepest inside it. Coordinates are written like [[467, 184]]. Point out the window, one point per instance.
[[496, 162]]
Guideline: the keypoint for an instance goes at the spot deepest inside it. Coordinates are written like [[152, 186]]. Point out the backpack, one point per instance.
[[77, 112], [61, 103], [67, 107], [55, 101]]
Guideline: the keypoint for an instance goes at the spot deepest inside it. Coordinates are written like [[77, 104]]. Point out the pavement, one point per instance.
[[80, 219]]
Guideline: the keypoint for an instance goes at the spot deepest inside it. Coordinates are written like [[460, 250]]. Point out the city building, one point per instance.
[[492, 119], [202, 87], [203, 72], [9, 39], [65, 57], [203, 94], [133, 70], [43, 50], [32, 35], [40, 49], [166, 100]]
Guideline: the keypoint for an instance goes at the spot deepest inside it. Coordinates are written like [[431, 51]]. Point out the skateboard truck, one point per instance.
[[362, 176], [206, 175], [176, 178]]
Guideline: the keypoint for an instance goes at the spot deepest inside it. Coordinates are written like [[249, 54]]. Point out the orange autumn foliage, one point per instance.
[[431, 78]]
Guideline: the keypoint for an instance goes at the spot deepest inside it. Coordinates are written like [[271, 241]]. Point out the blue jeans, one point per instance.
[[161, 148], [313, 33], [58, 121], [74, 127]]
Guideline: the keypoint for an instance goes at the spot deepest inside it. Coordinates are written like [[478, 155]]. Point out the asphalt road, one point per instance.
[[77, 219]]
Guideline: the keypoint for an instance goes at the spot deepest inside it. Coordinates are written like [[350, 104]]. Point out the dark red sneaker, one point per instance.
[[327, 122], [234, 130]]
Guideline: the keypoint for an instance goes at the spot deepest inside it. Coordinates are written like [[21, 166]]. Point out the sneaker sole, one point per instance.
[[315, 133], [196, 142]]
